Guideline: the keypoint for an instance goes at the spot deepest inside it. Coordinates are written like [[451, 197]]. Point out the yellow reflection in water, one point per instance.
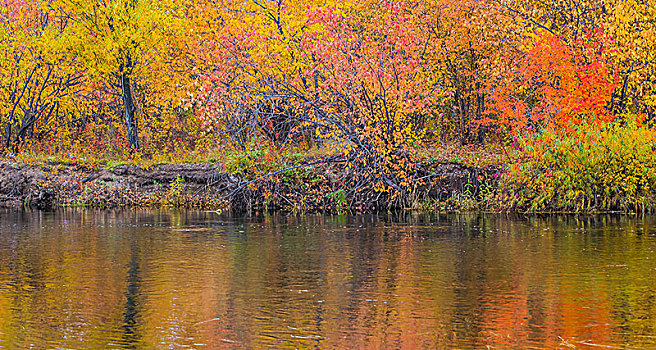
[[158, 279]]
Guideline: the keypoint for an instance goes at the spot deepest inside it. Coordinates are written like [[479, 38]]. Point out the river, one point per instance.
[[161, 279]]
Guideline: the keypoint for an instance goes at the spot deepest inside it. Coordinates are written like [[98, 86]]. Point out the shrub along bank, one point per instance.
[[309, 186], [592, 169]]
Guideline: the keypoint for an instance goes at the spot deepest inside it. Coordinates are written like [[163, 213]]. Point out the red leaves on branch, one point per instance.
[[556, 84]]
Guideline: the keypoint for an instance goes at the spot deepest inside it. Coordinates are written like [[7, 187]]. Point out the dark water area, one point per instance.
[[139, 279]]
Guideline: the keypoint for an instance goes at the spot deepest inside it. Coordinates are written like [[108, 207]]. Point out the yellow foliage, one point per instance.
[[633, 49]]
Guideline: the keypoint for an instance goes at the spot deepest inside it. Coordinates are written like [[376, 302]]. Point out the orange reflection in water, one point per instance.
[[159, 279]]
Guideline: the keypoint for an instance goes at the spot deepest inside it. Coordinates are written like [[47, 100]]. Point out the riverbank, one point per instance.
[[311, 186], [615, 174]]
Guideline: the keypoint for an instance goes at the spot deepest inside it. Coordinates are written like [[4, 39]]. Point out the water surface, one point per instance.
[[168, 280]]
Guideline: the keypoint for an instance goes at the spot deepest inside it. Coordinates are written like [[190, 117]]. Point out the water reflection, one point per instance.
[[162, 279]]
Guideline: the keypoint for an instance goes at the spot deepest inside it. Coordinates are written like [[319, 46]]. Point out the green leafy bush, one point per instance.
[[592, 168]]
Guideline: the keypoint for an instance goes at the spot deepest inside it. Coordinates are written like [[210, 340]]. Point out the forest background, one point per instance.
[[354, 103]]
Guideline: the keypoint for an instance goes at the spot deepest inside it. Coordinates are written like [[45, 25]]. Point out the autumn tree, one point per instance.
[[39, 85], [556, 85], [259, 77], [354, 74], [468, 48], [631, 25], [131, 50], [626, 28], [373, 86]]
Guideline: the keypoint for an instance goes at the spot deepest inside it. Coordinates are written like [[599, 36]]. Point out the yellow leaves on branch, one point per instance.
[[633, 48]]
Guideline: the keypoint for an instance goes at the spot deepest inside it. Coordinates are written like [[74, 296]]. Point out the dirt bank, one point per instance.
[[51, 184]]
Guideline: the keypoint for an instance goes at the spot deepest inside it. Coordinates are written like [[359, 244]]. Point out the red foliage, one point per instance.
[[557, 84]]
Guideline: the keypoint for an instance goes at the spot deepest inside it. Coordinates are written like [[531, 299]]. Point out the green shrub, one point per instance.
[[591, 168]]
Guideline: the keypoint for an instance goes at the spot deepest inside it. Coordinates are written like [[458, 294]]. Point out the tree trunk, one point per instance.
[[129, 111]]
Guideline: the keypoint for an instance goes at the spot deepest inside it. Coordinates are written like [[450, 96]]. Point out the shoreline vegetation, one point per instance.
[[331, 106], [469, 181], [308, 185]]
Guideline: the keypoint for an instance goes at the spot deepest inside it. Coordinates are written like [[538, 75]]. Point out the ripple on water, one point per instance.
[[167, 279]]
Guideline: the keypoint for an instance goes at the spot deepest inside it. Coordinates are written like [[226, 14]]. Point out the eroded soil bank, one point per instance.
[[47, 185]]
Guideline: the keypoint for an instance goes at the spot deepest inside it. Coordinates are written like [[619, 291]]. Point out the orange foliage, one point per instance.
[[556, 84]]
